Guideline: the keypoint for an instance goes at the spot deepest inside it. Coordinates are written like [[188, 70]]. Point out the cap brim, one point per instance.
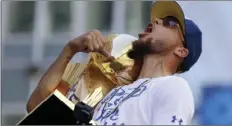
[[162, 9]]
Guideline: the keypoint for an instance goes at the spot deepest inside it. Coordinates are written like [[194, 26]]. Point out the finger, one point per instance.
[[89, 43], [110, 59], [100, 43], [106, 54], [94, 41], [85, 42], [99, 39], [103, 40], [85, 45]]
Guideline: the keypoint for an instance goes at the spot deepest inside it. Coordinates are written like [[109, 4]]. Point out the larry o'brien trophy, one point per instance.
[[99, 75]]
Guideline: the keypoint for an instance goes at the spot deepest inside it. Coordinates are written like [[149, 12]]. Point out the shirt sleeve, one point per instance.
[[172, 103]]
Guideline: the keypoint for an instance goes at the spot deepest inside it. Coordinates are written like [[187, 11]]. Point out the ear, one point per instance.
[[181, 52]]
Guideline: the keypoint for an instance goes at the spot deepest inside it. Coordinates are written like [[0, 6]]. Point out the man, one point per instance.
[[169, 45]]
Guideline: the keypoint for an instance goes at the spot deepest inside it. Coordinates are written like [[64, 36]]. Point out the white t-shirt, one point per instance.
[[160, 101]]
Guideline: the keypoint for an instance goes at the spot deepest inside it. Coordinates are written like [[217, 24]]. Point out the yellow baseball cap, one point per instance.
[[162, 9]]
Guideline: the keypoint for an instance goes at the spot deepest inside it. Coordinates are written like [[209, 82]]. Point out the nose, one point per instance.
[[157, 21]]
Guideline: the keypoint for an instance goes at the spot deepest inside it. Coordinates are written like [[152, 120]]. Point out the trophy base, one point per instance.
[[58, 110]]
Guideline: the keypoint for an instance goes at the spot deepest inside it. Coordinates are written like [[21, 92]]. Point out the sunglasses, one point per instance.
[[172, 23]]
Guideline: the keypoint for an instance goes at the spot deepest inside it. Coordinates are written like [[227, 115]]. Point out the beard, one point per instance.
[[139, 49]]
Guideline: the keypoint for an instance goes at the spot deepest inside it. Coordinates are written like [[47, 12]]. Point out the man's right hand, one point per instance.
[[91, 41]]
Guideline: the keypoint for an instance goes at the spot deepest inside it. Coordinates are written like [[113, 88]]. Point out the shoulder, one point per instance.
[[170, 83], [173, 88]]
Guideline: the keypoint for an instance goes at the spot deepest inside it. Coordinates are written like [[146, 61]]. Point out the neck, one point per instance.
[[154, 66], [134, 72]]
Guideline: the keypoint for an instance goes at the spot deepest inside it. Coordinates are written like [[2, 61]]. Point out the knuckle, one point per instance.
[[96, 47], [90, 49], [86, 37], [96, 31], [100, 43], [104, 41], [101, 46]]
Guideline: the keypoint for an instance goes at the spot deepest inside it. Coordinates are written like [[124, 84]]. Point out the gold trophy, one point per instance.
[[100, 76]]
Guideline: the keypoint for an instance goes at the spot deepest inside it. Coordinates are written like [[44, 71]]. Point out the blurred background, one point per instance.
[[34, 33]]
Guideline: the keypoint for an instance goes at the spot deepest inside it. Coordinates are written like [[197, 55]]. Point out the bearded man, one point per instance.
[[169, 44]]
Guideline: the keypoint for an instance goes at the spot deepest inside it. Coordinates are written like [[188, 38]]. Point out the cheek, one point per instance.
[[172, 37], [169, 39], [163, 39], [163, 44], [159, 46]]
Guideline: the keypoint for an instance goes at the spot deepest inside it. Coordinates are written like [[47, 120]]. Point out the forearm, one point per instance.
[[53, 75], [50, 79]]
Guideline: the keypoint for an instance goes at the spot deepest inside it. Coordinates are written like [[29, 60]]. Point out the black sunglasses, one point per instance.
[[169, 22], [172, 22]]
